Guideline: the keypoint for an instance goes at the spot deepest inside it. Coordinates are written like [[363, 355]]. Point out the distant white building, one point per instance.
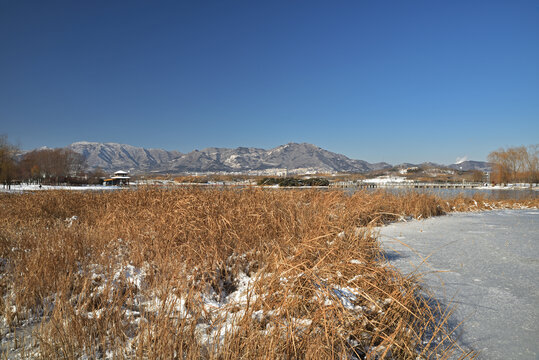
[[119, 178]]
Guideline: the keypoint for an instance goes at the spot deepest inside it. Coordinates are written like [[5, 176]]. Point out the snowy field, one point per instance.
[[486, 265]]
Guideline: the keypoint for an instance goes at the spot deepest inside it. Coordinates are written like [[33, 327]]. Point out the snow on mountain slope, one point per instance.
[[113, 156], [292, 156]]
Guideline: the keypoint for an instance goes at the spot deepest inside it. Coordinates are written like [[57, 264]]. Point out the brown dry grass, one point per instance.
[[218, 274]]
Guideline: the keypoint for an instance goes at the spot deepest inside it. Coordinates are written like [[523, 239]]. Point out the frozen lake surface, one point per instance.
[[486, 264]]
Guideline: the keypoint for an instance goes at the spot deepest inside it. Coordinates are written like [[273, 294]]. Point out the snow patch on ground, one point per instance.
[[387, 180], [216, 310], [521, 186]]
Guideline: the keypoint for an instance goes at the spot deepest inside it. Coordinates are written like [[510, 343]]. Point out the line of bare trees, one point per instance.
[[515, 165], [52, 165], [47, 166]]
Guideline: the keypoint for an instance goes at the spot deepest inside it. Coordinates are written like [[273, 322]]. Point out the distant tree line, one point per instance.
[[44, 166], [515, 165], [52, 166], [290, 181]]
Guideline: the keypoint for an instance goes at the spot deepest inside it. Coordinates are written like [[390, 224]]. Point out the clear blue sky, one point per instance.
[[386, 81]]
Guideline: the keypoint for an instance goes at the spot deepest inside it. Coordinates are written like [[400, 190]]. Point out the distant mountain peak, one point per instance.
[[467, 165]]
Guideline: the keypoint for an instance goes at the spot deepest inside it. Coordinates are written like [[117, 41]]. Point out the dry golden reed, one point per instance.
[[215, 274]]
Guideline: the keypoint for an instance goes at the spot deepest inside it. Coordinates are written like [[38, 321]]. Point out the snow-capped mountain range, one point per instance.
[[292, 158]]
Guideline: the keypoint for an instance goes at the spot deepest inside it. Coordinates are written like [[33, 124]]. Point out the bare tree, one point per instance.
[[532, 163], [8, 165], [477, 176], [517, 164], [500, 168]]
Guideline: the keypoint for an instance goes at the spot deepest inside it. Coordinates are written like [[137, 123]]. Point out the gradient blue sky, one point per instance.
[[390, 81]]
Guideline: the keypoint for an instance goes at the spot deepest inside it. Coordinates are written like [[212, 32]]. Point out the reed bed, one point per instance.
[[215, 274]]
